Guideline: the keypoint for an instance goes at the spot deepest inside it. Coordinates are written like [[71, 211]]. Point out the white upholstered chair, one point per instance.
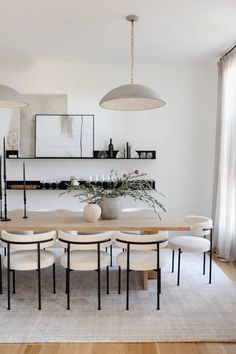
[[141, 253], [23, 232], [27, 253], [85, 253], [197, 242]]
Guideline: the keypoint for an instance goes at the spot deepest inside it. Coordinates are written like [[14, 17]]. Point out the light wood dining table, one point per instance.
[[146, 221]]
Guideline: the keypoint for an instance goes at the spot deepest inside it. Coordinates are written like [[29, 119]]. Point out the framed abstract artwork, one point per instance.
[[66, 136]]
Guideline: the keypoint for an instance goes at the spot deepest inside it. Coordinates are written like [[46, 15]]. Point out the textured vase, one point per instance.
[[111, 208], [92, 212]]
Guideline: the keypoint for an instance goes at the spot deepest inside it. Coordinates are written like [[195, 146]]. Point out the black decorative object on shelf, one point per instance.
[[12, 154], [110, 149], [63, 184], [141, 155], [53, 185], [24, 192], [5, 218]]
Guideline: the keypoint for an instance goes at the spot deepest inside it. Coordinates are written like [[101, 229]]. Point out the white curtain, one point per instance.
[[225, 191]]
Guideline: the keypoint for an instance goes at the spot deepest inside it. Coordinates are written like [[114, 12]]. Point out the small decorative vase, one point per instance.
[[111, 208], [92, 212]]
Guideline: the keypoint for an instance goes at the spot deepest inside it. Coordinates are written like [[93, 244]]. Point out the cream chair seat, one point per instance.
[[27, 260], [85, 252], [197, 242], [85, 260], [190, 244], [141, 260], [141, 253], [26, 252]]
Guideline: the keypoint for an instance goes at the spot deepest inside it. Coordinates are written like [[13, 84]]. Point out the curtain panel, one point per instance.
[[224, 203]]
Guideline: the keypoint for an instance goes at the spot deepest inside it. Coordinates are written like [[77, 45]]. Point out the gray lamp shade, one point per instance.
[[131, 97], [10, 98]]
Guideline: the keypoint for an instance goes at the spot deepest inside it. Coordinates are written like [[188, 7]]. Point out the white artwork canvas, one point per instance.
[[64, 136], [38, 104]]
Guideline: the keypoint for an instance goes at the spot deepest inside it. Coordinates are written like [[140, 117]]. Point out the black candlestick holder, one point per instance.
[[25, 216], [5, 218], [24, 192]]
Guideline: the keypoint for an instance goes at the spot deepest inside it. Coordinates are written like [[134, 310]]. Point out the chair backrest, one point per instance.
[[201, 225], [22, 232], [141, 242], [85, 242], [28, 242]]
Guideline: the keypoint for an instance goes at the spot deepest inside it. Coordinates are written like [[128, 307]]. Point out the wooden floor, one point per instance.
[[120, 348], [129, 348]]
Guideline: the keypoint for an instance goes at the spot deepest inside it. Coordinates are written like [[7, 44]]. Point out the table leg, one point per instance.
[[148, 274], [145, 280]]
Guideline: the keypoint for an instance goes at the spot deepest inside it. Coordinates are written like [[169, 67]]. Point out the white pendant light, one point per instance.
[[131, 97], [10, 98]]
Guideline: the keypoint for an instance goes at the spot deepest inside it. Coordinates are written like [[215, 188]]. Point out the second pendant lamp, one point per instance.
[[132, 97]]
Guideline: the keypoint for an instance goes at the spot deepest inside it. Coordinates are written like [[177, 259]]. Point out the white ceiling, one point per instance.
[[95, 30]]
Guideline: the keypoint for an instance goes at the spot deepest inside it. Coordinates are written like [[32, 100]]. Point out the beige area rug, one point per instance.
[[195, 311]]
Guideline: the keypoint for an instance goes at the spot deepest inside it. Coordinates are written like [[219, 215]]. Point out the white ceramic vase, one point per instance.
[[92, 212]]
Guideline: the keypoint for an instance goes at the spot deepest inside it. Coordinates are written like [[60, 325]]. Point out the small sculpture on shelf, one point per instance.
[[12, 141]]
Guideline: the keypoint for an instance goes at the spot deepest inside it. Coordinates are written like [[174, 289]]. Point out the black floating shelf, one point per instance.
[[62, 185], [97, 155]]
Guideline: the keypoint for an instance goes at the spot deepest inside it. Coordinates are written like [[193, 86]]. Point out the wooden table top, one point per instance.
[[70, 220]]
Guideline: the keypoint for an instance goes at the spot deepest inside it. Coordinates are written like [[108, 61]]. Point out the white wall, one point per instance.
[[182, 132]]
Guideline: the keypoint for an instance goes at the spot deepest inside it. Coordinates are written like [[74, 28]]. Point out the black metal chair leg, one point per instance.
[[178, 276], [210, 263], [210, 267], [159, 280], [107, 280], [8, 279], [13, 282], [127, 289], [68, 288], [119, 279], [127, 277], [173, 261], [54, 278], [204, 264], [158, 290], [39, 288], [111, 255], [39, 278], [66, 291], [99, 289], [0, 274]]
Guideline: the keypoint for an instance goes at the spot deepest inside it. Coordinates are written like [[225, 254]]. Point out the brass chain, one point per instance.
[[132, 52]]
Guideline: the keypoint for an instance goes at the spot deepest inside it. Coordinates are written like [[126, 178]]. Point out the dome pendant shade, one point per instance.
[[132, 97], [10, 98]]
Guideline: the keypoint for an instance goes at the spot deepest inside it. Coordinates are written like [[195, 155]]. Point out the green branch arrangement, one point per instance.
[[131, 185]]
